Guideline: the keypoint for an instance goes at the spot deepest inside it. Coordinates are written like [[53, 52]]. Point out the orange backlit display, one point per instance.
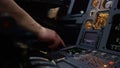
[[101, 20]]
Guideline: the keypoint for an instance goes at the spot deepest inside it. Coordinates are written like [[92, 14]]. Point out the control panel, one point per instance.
[[98, 43], [76, 57], [113, 42]]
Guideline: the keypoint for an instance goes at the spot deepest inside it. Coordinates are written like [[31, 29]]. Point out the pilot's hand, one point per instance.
[[51, 37]]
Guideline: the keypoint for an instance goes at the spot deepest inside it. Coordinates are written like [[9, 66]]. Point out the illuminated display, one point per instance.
[[92, 12], [101, 20], [95, 3], [74, 50], [107, 4], [88, 25], [113, 42], [52, 13]]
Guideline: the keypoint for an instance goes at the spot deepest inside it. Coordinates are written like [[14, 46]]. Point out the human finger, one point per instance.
[[61, 42]]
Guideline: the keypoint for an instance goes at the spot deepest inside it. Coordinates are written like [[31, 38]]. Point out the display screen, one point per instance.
[[90, 38], [113, 42], [101, 20]]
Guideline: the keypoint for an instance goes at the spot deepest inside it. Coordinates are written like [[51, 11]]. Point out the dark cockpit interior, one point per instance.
[[89, 28]]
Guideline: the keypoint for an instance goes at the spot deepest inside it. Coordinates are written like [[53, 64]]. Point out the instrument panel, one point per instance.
[[98, 41], [113, 42]]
